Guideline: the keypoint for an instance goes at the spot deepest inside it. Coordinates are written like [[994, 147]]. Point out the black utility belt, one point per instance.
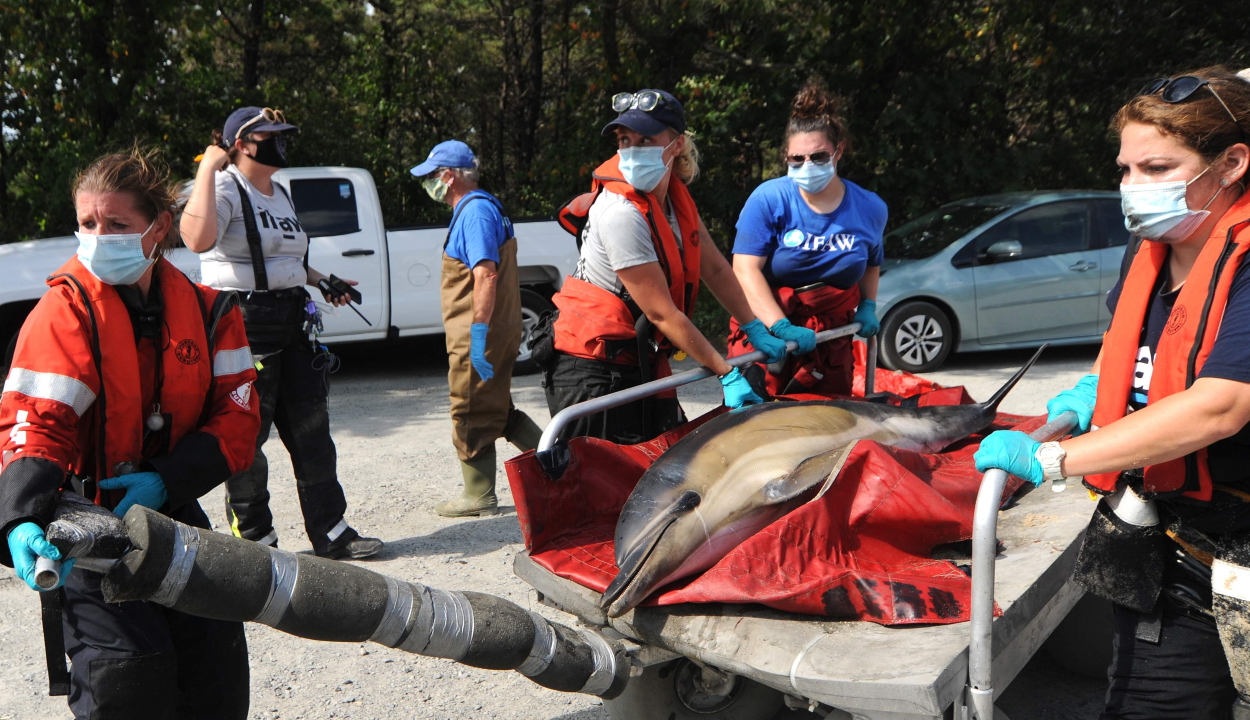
[[272, 298]]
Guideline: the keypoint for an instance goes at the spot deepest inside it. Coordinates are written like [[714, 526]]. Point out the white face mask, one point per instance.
[[1159, 211], [115, 259]]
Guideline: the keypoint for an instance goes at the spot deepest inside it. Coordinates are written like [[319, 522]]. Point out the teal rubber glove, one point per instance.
[[142, 488], [26, 544], [774, 348], [805, 337], [477, 351], [1011, 451], [1080, 400], [866, 316], [738, 391]]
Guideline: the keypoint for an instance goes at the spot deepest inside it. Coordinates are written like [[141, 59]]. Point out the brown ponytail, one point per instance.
[[815, 109], [220, 141]]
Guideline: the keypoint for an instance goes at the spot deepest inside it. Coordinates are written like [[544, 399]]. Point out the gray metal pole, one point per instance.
[[984, 550], [628, 395], [870, 367]]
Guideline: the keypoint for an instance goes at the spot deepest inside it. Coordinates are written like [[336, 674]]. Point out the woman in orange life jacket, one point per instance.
[[132, 386], [808, 253], [1163, 415], [644, 250]]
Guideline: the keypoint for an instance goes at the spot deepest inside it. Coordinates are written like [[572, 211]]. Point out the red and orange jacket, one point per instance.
[[77, 395], [593, 320], [1183, 347]]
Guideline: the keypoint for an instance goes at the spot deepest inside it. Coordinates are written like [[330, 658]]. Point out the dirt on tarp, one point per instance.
[[861, 551]]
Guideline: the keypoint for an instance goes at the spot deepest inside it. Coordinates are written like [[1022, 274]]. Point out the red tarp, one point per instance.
[[862, 551]]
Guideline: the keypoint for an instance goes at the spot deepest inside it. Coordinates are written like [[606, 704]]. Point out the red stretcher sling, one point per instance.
[[862, 551]]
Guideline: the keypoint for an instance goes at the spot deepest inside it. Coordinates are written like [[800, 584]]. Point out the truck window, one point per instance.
[[326, 206]]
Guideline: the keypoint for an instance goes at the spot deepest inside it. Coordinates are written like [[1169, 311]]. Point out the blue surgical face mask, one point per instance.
[[115, 259], [813, 177], [643, 166], [1159, 212]]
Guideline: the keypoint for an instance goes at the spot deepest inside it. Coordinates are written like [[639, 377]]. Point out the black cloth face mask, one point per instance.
[[271, 152]]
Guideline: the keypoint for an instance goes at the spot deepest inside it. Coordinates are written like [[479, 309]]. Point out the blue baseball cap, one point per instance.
[[668, 113], [252, 119], [452, 154]]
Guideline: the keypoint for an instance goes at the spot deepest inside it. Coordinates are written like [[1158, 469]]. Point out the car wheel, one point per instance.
[[533, 306], [916, 337]]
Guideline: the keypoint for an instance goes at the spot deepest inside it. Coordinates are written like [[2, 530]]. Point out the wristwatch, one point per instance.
[[1051, 456]]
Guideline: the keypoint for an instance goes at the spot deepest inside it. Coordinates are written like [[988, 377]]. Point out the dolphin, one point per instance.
[[743, 470]]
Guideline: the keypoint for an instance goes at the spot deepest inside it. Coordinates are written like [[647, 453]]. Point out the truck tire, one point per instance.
[[533, 305], [667, 692]]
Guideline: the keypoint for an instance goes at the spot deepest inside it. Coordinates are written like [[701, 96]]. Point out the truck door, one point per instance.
[[341, 244]]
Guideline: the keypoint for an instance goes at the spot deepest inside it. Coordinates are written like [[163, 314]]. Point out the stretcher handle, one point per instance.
[[554, 466], [984, 550]]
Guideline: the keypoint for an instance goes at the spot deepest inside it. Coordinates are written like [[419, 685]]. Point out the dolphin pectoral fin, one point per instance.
[[819, 469], [634, 557]]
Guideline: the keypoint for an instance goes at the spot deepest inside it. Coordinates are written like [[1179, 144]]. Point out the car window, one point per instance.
[[1111, 220], [1051, 229], [325, 206], [928, 234]]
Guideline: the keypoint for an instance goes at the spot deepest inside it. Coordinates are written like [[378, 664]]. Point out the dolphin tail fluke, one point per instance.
[[992, 403]]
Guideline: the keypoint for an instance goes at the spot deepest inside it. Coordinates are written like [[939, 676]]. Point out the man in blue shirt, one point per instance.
[[481, 299]]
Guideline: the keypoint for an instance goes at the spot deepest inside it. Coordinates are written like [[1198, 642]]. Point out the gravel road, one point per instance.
[[389, 412]]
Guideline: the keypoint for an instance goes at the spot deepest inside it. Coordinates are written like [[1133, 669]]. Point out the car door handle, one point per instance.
[[1082, 266], [357, 252]]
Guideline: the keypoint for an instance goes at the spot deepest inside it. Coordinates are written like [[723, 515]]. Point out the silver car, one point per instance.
[[1000, 271]]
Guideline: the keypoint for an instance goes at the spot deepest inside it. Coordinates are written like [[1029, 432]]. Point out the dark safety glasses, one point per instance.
[[646, 101], [818, 158], [266, 114], [1180, 89]]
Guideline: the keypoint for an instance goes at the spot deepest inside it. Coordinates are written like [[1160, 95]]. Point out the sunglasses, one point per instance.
[[646, 101], [1180, 89], [266, 114], [818, 158]]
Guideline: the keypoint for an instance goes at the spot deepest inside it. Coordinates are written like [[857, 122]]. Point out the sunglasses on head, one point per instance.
[[267, 115], [646, 101], [1180, 89], [817, 158]]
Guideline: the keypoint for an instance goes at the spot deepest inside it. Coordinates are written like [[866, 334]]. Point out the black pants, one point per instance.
[[1183, 677], [142, 660], [292, 386], [568, 380]]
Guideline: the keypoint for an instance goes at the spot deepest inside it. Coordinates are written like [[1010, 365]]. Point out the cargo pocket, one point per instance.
[[143, 686], [542, 340]]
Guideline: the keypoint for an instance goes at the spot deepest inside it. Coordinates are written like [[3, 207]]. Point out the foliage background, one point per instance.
[[946, 98]]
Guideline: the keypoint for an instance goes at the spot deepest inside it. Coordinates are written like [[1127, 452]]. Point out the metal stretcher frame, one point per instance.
[[638, 392]]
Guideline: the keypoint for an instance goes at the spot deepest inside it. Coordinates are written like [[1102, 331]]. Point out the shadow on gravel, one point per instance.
[[466, 539]]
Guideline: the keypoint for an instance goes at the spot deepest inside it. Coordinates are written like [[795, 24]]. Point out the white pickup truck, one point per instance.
[[398, 269]]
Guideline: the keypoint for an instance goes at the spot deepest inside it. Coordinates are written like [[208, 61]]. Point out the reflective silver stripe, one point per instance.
[[444, 625], [1230, 580], [337, 530], [285, 567], [605, 664], [398, 611], [186, 545], [50, 386], [232, 362], [543, 650], [1132, 508]]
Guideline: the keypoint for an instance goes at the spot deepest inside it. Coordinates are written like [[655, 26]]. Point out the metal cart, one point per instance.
[[744, 662]]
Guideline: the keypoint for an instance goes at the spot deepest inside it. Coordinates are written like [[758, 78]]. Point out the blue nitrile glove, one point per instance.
[[738, 391], [774, 348], [805, 337], [26, 544], [1012, 451], [477, 351], [142, 488], [1080, 400], [866, 316]]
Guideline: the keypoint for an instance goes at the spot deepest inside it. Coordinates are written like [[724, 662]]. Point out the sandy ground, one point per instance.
[[389, 413]]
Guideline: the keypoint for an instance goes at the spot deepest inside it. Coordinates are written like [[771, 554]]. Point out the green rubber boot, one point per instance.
[[479, 498], [523, 432]]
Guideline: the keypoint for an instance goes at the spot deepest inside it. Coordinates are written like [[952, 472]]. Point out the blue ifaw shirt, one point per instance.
[[478, 229], [804, 246]]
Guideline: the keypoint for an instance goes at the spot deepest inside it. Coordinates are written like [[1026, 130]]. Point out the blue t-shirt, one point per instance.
[[1230, 354], [804, 246], [478, 229]]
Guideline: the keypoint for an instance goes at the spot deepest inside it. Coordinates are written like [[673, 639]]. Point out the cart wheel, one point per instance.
[[676, 691]]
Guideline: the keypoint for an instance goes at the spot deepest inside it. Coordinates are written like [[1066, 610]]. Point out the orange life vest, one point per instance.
[[1183, 347], [596, 323]]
